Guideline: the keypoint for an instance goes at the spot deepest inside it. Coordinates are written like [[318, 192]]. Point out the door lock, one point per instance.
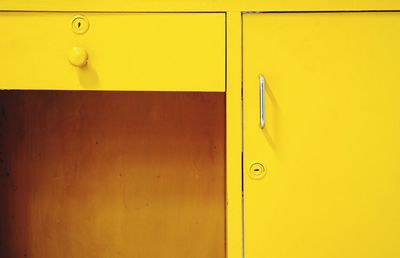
[[257, 171]]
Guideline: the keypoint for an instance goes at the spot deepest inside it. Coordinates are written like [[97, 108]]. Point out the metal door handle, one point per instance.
[[262, 120]]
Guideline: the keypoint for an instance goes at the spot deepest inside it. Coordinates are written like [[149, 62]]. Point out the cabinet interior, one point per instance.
[[112, 174]]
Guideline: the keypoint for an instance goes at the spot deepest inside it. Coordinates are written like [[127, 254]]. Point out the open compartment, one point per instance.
[[112, 174]]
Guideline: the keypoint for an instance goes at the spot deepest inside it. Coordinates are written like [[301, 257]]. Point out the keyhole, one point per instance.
[[80, 25], [257, 171]]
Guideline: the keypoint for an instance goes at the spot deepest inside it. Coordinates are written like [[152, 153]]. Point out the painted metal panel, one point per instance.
[[142, 51], [331, 143], [196, 6]]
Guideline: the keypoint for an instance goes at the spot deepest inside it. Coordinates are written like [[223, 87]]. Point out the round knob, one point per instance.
[[78, 56]]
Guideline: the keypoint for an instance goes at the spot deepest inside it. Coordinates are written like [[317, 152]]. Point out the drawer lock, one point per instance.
[[80, 24]]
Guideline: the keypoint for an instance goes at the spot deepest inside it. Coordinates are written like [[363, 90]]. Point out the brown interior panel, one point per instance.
[[112, 174]]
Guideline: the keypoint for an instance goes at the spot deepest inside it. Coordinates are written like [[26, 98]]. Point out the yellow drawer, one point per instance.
[[126, 51]]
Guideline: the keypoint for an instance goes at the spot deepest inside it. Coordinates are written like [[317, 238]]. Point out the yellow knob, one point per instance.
[[78, 56]]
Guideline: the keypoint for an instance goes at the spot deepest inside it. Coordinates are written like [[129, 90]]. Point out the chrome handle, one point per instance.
[[262, 120]]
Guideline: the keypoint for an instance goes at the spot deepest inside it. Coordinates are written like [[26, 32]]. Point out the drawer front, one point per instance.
[[125, 51]]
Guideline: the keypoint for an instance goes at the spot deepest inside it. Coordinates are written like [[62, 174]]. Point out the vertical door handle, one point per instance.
[[262, 102]]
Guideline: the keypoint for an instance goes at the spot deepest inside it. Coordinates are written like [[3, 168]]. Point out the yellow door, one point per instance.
[[330, 146]]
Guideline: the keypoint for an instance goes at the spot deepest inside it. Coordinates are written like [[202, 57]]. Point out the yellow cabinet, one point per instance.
[[321, 178], [201, 129]]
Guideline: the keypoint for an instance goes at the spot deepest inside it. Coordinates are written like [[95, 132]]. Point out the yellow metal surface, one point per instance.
[[195, 6], [331, 143], [148, 51], [233, 139]]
